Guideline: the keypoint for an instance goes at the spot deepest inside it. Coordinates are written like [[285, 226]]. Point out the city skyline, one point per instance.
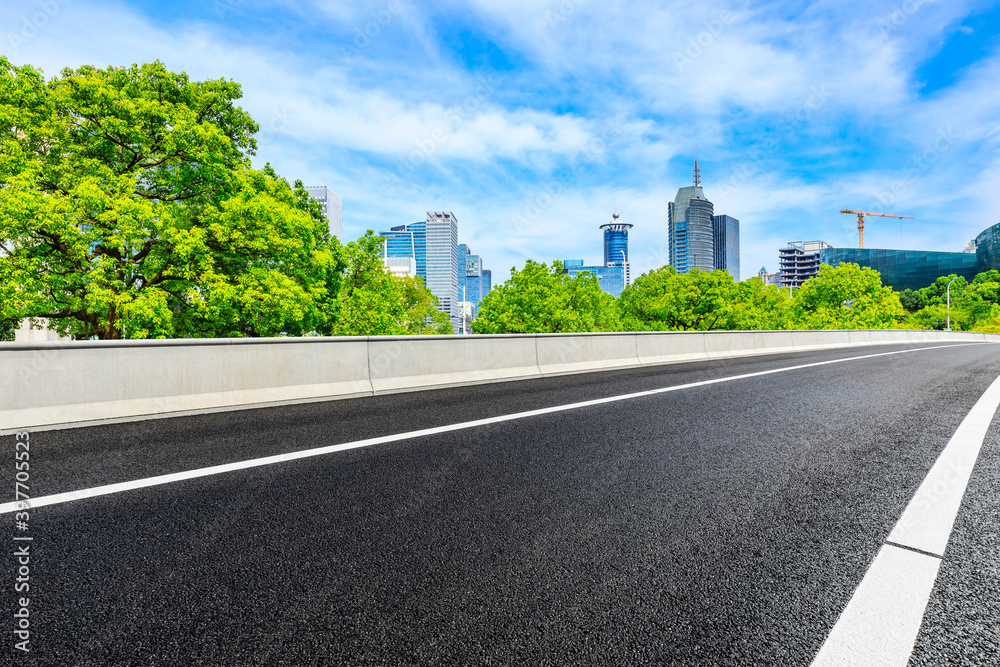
[[508, 115]]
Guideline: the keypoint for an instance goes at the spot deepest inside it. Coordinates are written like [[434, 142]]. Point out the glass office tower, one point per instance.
[[616, 247], [691, 228], [433, 243], [726, 239], [333, 208]]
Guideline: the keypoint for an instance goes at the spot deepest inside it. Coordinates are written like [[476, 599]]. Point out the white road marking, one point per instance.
[[58, 498], [927, 521], [880, 624]]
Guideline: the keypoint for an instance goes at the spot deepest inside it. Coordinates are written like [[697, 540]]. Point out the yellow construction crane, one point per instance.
[[861, 221]]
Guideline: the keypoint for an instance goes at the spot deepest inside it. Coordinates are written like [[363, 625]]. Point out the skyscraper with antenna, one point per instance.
[[698, 238], [690, 227]]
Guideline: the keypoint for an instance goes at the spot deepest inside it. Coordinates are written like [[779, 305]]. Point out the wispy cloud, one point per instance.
[[493, 108]]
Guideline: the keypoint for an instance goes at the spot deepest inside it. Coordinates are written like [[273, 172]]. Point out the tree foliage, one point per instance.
[[128, 208], [373, 302], [847, 296], [540, 299]]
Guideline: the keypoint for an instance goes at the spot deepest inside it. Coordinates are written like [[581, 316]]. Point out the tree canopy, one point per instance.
[[540, 299], [129, 208], [847, 296]]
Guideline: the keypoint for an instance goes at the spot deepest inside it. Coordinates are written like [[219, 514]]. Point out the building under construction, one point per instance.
[[799, 261]]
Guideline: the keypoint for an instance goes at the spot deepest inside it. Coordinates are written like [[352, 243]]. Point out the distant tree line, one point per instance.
[[543, 299]]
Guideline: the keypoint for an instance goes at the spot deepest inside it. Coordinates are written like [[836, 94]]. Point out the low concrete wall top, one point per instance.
[[70, 382]]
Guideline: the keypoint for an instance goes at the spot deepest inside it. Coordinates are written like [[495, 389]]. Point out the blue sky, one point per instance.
[[531, 119]]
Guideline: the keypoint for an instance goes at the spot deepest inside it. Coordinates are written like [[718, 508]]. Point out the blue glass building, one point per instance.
[[613, 276], [470, 275], [988, 249], [698, 238], [726, 241], [905, 269], [433, 243], [611, 279]]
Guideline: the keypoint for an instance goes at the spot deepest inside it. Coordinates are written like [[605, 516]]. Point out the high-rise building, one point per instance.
[[408, 241], [333, 208], [442, 262], [470, 275], [726, 239], [691, 228], [433, 245], [616, 246], [487, 282], [613, 276], [799, 261], [698, 238]]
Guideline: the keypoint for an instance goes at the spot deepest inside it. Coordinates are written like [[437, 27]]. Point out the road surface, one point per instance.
[[728, 521]]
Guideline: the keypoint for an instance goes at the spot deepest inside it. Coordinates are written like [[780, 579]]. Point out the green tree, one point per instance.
[[539, 299], [420, 308], [761, 307], [912, 300], [373, 302], [847, 297], [664, 300], [128, 208]]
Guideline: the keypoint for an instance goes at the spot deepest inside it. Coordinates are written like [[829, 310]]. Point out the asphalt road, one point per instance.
[[721, 524]]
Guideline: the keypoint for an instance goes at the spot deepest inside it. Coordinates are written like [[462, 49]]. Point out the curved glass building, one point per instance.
[[905, 269], [691, 228], [988, 249], [615, 241]]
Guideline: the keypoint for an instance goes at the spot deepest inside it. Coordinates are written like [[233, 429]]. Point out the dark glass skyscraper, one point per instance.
[[726, 238], [691, 228], [699, 239], [470, 275]]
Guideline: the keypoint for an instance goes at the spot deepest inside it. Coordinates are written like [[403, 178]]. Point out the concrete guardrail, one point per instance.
[[59, 382]]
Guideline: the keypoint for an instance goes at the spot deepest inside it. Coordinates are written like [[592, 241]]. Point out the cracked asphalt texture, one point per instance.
[[727, 524]]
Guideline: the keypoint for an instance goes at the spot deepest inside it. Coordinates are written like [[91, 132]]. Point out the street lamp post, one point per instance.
[[624, 268], [463, 310], [949, 301]]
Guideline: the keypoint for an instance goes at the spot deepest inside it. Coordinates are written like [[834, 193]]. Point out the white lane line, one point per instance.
[[880, 624], [927, 521], [70, 496]]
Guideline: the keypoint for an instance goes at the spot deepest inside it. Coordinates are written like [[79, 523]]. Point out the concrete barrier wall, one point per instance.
[[72, 382], [578, 353]]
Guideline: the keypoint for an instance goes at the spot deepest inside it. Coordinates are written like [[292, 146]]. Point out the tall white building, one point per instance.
[[333, 207], [441, 272]]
